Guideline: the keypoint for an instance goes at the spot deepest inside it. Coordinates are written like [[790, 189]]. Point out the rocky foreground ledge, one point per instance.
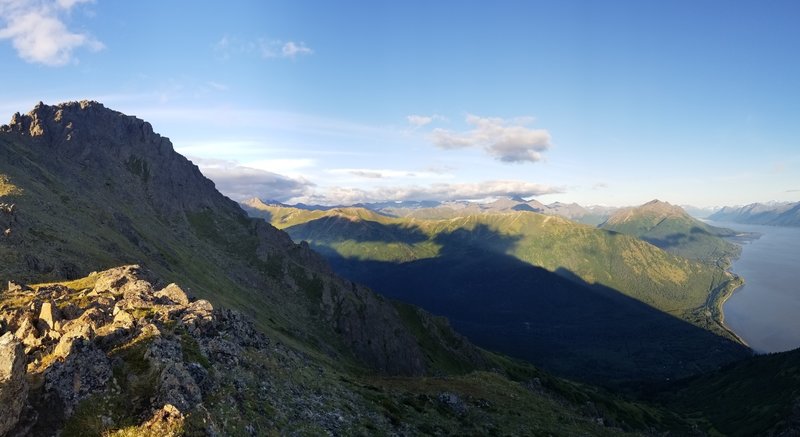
[[112, 353]]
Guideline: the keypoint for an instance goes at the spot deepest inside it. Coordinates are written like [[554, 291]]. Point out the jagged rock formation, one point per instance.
[[121, 339]]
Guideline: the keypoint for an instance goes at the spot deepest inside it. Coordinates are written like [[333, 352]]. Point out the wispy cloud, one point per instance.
[[418, 121], [508, 140], [228, 46], [793, 191], [443, 191], [240, 182], [217, 86], [38, 33], [291, 49]]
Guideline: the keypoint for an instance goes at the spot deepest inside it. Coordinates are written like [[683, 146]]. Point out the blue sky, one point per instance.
[[614, 102]]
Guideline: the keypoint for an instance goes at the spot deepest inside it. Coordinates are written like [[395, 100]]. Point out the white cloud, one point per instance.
[[441, 192], [418, 121], [292, 49], [506, 140], [68, 4], [38, 33], [283, 49], [240, 182], [228, 46]]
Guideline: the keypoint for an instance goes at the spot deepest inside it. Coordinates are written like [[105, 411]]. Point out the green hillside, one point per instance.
[[672, 229], [523, 275], [670, 283], [758, 396]]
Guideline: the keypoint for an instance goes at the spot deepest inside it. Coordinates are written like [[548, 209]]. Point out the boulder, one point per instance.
[[48, 316], [85, 371], [174, 294], [124, 319], [13, 387], [199, 316], [73, 333], [166, 421], [176, 386]]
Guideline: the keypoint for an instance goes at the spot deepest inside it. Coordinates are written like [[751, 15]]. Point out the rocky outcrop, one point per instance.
[[156, 354], [13, 387]]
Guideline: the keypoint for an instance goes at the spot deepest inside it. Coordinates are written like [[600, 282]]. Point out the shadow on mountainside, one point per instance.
[[554, 320]]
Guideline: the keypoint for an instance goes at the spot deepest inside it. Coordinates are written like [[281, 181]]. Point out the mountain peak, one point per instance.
[[661, 207], [85, 122]]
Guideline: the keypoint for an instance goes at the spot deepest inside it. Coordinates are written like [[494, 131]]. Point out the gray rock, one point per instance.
[[85, 371], [124, 319], [177, 387], [72, 333], [13, 387], [453, 402], [174, 293], [199, 316], [48, 316]]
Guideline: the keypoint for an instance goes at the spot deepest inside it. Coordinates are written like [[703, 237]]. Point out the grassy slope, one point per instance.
[[583, 302], [758, 396], [640, 270]]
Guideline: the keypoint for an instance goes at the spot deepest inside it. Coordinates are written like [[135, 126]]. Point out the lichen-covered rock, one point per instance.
[[113, 279], [13, 387], [176, 386], [199, 316], [124, 319], [174, 294], [165, 422], [85, 371], [48, 316], [75, 332]]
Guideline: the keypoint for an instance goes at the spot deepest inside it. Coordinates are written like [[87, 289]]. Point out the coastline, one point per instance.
[[719, 297], [730, 288]]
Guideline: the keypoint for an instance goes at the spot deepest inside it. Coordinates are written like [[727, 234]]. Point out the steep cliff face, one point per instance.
[[92, 188]]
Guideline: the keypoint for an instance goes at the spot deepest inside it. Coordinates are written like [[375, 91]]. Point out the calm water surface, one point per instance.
[[765, 312]]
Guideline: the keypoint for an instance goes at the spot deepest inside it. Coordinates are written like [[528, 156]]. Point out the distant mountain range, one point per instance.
[[507, 277], [774, 214], [430, 209]]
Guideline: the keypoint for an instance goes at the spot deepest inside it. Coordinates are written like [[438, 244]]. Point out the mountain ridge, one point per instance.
[[671, 228], [388, 253], [780, 214]]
